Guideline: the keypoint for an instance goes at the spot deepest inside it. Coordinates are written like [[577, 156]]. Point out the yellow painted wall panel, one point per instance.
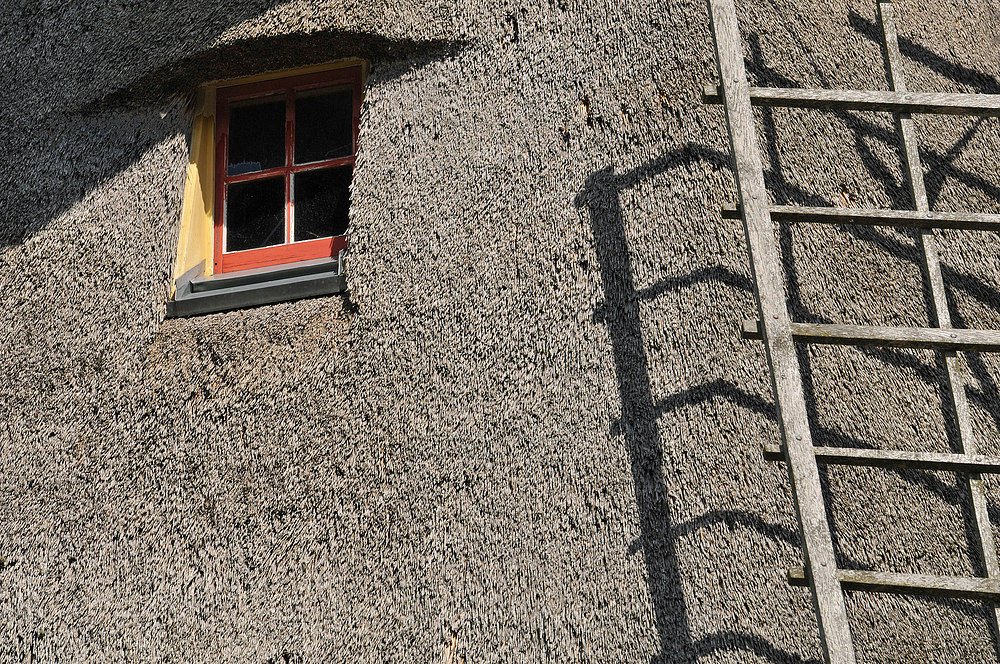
[[195, 241]]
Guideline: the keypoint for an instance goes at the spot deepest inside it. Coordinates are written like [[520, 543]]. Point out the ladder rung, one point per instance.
[[864, 217], [940, 103], [848, 456], [889, 337], [954, 587]]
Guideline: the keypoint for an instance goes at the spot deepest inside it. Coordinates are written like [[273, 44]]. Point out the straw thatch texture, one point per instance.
[[531, 433]]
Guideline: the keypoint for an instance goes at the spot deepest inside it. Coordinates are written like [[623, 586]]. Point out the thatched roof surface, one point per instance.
[[532, 432]]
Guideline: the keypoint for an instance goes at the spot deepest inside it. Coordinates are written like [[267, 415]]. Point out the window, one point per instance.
[[285, 153], [268, 189]]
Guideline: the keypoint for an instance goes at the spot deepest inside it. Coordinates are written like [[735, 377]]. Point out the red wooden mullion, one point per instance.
[[319, 165], [281, 170], [256, 175]]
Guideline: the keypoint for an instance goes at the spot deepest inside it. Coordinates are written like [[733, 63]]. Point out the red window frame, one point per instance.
[[290, 251]]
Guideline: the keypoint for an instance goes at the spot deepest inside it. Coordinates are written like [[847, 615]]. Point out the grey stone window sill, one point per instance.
[[197, 295]]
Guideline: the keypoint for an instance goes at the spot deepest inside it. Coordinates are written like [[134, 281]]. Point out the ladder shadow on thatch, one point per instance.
[[729, 391], [740, 398], [620, 312], [638, 426], [981, 82]]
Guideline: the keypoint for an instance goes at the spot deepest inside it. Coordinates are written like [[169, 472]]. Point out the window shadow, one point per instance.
[[620, 312], [638, 425], [253, 56], [78, 144]]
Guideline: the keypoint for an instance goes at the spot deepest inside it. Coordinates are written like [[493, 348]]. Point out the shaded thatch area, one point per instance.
[[532, 432]]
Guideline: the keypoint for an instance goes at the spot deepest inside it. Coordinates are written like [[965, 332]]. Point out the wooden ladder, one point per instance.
[[779, 334]]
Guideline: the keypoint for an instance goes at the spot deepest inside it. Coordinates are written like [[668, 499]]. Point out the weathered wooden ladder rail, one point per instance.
[[779, 334]]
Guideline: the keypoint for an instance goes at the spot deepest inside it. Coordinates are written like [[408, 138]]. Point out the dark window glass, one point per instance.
[[255, 214], [322, 199], [324, 125], [256, 136]]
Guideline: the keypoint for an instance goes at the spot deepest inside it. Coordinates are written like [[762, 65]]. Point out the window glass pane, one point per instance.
[[321, 199], [324, 125], [256, 136], [255, 214]]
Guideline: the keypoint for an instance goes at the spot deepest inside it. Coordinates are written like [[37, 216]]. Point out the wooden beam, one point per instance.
[[786, 380], [793, 214], [949, 587], [938, 103], [930, 338], [849, 456]]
